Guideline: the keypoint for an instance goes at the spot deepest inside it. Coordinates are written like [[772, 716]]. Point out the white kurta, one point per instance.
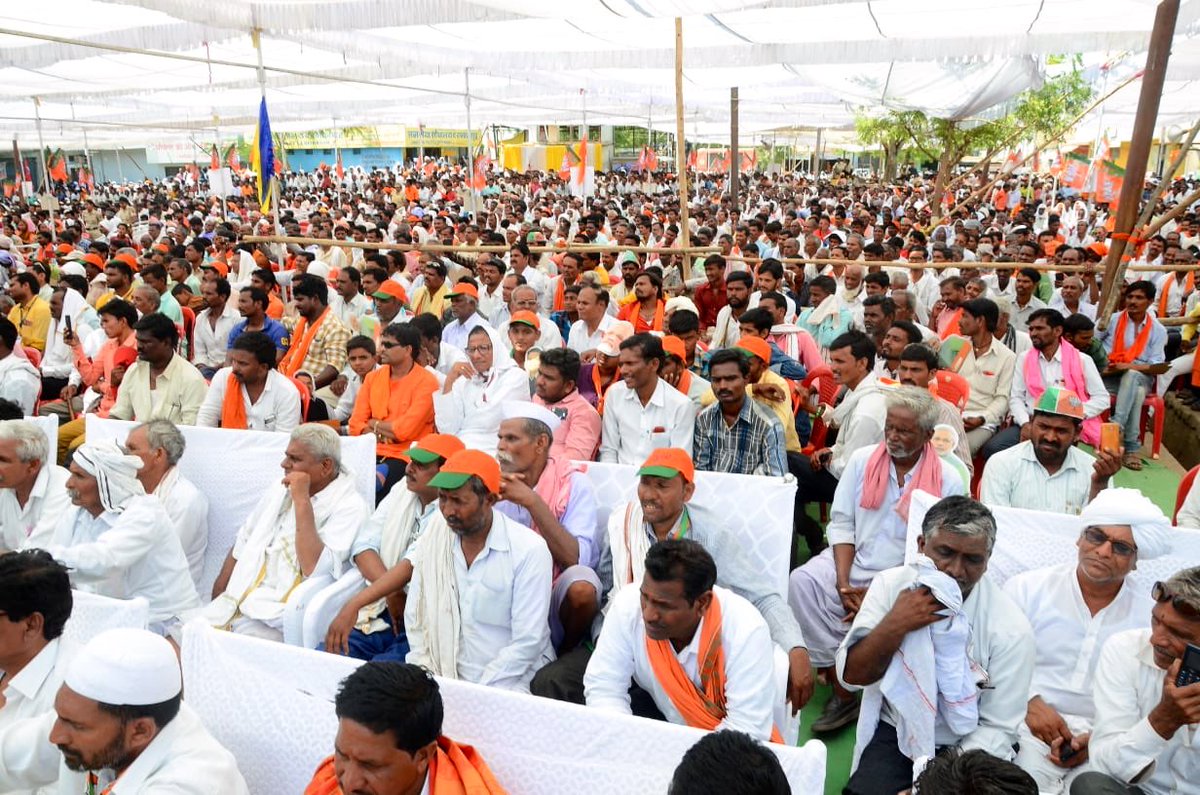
[[188, 509], [32, 526], [20, 382], [183, 759], [621, 657], [277, 409], [631, 430], [1002, 644], [132, 553], [1128, 686], [1014, 478]]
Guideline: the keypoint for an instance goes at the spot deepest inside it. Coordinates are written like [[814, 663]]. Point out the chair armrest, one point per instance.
[[293, 611], [324, 606]]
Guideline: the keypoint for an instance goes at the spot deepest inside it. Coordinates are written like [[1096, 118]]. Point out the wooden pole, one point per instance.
[[685, 268], [1139, 154], [734, 155], [1167, 177]]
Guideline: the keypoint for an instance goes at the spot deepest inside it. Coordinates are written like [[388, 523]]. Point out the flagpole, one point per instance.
[[587, 147], [337, 154], [87, 152], [37, 114], [256, 35], [685, 267], [470, 146], [223, 198]]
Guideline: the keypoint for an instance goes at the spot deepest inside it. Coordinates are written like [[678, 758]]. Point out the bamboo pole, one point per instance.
[[680, 153], [1168, 176]]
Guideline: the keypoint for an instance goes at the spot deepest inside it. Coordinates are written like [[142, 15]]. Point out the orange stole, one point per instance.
[[1189, 284], [1122, 355], [302, 338], [233, 410], [632, 313], [454, 770], [952, 328], [701, 707]]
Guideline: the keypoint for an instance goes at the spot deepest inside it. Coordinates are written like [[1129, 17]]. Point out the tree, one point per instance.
[[1035, 114]]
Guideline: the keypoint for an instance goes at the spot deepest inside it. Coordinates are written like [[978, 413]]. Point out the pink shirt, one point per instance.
[[578, 437]]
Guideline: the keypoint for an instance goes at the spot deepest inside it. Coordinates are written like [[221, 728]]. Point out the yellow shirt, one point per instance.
[[1189, 331], [782, 408], [32, 322]]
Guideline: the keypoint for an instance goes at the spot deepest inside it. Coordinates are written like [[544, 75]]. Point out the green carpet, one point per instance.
[[1158, 480]]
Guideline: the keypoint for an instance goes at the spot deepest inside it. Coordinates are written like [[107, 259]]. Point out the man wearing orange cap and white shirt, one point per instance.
[[391, 306], [464, 303], [479, 598], [364, 628], [119, 725]]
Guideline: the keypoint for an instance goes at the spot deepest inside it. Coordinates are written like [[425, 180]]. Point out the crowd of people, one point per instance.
[[839, 332]]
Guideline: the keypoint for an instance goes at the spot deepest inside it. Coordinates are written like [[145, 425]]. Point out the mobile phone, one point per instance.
[[1189, 672], [1066, 751], [1110, 437], [67, 324]]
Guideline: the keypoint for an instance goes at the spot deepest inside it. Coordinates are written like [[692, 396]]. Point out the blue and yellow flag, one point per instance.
[[262, 157]]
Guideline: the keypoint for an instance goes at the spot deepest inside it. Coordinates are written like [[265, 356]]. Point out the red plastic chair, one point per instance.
[[951, 387], [826, 389], [1185, 486]]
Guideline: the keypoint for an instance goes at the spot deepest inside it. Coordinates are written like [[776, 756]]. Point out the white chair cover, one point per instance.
[[92, 614], [1027, 540], [232, 468], [49, 426], [271, 705]]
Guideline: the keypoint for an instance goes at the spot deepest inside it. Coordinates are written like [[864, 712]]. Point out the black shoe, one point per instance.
[[837, 714]]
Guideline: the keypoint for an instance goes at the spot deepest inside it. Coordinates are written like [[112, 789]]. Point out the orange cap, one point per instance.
[[460, 466], [755, 346], [667, 462], [465, 288], [435, 446], [526, 317], [391, 289], [64, 248], [220, 267], [94, 259], [675, 347], [128, 259]]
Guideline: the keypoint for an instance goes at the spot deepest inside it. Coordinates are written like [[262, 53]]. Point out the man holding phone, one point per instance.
[[1074, 608], [1145, 738]]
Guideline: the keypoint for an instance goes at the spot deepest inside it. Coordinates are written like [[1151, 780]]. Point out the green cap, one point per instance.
[[448, 480]]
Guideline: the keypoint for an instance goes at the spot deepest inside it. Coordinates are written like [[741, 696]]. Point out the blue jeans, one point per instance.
[[381, 646], [1130, 388]]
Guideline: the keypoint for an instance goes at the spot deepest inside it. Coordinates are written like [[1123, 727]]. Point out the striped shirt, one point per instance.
[[753, 445]]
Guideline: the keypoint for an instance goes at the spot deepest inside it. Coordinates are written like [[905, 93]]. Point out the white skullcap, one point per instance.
[[528, 410], [126, 667], [1150, 526], [318, 268], [681, 302], [114, 471], [72, 269]]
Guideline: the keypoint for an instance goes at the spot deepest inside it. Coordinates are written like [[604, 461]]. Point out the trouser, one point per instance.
[[814, 599], [1174, 343], [562, 680], [1002, 440], [52, 387], [1179, 366], [882, 769], [1099, 784], [558, 594], [381, 646], [1033, 758], [977, 438], [1130, 388], [811, 486], [391, 471], [70, 437]]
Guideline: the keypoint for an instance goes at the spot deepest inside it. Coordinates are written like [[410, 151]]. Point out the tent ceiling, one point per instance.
[[802, 63]]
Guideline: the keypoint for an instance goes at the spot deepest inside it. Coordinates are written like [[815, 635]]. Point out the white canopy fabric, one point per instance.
[[807, 63]]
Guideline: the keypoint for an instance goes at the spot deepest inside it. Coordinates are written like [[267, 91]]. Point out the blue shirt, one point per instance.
[[754, 445], [1155, 350], [273, 329]]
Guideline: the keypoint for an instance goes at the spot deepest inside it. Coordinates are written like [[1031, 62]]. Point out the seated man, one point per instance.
[[35, 603], [479, 598], [1074, 608], [666, 484], [675, 372], [1048, 472], [644, 412], [361, 629], [160, 445], [919, 368], [556, 500], [976, 666], [736, 434], [33, 490], [119, 541], [360, 361], [702, 652], [119, 715], [988, 367], [868, 525], [20, 381], [389, 739], [161, 384], [1144, 740], [556, 388], [250, 394], [304, 523], [1136, 347]]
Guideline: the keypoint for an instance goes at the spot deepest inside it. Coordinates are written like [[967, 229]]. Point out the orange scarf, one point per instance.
[[952, 327], [1196, 371], [633, 314], [1189, 284], [454, 770], [1122, 355], [600, 389], [560, 295], [233, 410], [702, 707], [685, 382], [303, 336]]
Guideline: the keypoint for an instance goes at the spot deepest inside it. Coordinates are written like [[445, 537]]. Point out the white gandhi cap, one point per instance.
[[528, 410], [126, 667]]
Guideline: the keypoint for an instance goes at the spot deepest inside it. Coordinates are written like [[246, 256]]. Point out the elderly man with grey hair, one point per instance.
[[160, 445], [303, 525], [33, 490], [1144, 741], [867, 529], [944, 657], [117, 540]]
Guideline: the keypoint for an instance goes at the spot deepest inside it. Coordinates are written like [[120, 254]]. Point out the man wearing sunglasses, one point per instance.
[[1145, 740], [1074, 609]]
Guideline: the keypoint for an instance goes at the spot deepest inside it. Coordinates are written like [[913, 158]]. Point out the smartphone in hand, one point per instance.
[[1189, 671]]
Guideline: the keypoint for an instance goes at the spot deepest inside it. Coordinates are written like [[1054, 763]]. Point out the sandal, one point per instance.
[[1132, 461]]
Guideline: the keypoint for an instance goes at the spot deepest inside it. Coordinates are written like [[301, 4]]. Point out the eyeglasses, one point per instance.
[[1185, 608], [1096, 538], [388, 345], [479, 349]]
